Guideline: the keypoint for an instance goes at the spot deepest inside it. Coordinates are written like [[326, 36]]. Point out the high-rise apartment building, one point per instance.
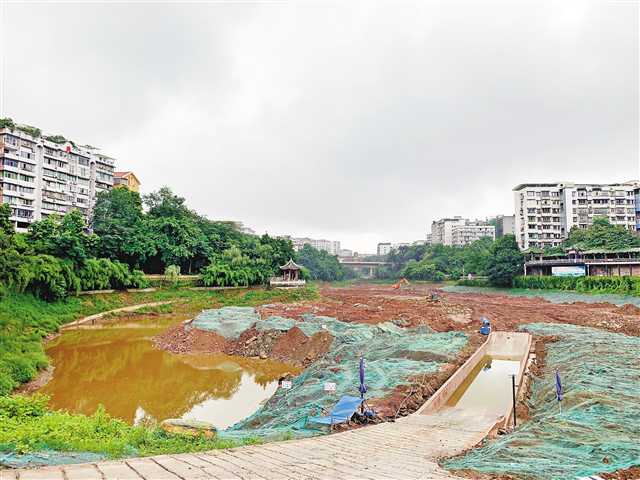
[[41, 176], [458, 231], [505, 225], [546, 212]]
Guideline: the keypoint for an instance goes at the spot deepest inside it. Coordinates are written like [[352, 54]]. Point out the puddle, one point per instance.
[[488, 386], [117, 366]]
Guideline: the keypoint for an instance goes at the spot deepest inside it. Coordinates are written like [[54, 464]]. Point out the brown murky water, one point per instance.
[[488, 386], [117, 366]]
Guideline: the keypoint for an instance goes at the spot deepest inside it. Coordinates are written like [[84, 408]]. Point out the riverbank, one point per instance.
[[28, 425]]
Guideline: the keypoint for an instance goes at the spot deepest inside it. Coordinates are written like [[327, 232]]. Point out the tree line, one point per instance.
[[500, 261], [129, 235]]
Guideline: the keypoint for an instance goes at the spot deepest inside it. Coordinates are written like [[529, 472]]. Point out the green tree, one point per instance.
[[505, 261], [118, 221], [602, 235], [63, 237], [320, 264]]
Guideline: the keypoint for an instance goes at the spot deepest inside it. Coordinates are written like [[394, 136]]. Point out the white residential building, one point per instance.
[[329, 246], [459, 231], [40, 176], [468, 233], [546, 212], [442, 230], [384, 248]]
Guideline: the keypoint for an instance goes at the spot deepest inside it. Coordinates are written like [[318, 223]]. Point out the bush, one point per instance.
[[620, 285], [422, 270], [172, 275]]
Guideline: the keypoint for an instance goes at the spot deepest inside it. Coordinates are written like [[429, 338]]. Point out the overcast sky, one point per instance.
[[358, 122]]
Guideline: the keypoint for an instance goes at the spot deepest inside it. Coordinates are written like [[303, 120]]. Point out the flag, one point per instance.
[[363, 387], [558, 386]]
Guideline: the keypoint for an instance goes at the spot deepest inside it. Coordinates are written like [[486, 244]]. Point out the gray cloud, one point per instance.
[[342, 121]]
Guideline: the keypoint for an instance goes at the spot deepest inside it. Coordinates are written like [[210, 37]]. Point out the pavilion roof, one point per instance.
[[290, 265]]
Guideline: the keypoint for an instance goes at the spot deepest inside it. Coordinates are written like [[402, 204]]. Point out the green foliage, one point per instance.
[[172, 275], [505, 261], [6, 122], [29, 130], [118, 222], [26, 425], [602, 235], [63, 237], [56, 139], [619, 285], [320, 265], [235, 269], [422, 270], [448, 261]]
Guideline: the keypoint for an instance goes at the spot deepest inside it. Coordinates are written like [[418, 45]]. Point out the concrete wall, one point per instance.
[[513, 345], [439, 399]]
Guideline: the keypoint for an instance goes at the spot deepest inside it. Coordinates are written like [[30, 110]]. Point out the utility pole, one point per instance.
[[513, 394]]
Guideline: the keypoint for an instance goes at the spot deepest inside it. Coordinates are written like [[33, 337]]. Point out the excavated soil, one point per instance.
[[414, 306], [411, 306]]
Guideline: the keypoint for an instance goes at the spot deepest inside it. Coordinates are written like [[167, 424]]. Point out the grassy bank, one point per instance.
[[26, 424]]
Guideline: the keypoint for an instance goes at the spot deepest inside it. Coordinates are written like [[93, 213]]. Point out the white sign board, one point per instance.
[[286, 384], [329, 387], [569, 271]]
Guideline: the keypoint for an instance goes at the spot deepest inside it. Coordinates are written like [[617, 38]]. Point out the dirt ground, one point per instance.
[[410, 306]]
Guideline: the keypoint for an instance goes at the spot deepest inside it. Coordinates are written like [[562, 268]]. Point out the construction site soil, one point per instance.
[[412, 306]]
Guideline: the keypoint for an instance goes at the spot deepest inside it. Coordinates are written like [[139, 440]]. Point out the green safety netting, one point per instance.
[[553, 296], [47, 457], [392, 355], [229, 322], [599, 427]]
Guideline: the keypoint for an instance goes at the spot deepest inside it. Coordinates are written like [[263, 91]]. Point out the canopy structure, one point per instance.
[[290, 271]]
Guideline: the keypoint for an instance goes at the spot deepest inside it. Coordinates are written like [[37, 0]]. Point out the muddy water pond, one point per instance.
[[117, 366], [488, 386]]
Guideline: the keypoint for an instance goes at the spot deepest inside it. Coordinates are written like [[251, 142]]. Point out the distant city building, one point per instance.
[[329, 246], [126, 180], [546, 212], [458, 231], [384, 248], [468, 233], [505, 225], [429, 239], [345, 252], [40, 176]]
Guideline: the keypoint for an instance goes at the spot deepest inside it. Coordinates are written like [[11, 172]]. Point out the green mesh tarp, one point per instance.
[[229, 322], [392, 355], [44, 458], [599, 428]]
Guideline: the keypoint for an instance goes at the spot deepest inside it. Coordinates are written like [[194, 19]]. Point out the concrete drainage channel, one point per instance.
[[451, 422], [483, 384]]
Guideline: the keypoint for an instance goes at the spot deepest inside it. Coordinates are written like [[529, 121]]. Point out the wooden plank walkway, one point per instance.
[[405, 449]]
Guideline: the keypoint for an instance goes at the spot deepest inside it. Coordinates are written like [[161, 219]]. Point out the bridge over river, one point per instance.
[[367, 269]]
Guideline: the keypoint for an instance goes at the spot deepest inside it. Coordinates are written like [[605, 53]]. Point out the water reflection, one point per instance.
[[118, 367]]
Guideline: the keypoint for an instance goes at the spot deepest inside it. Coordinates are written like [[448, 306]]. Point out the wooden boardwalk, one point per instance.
[[405, 449]]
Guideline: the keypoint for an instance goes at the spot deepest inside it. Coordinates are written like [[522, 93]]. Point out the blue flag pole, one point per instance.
[[559, 391]]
